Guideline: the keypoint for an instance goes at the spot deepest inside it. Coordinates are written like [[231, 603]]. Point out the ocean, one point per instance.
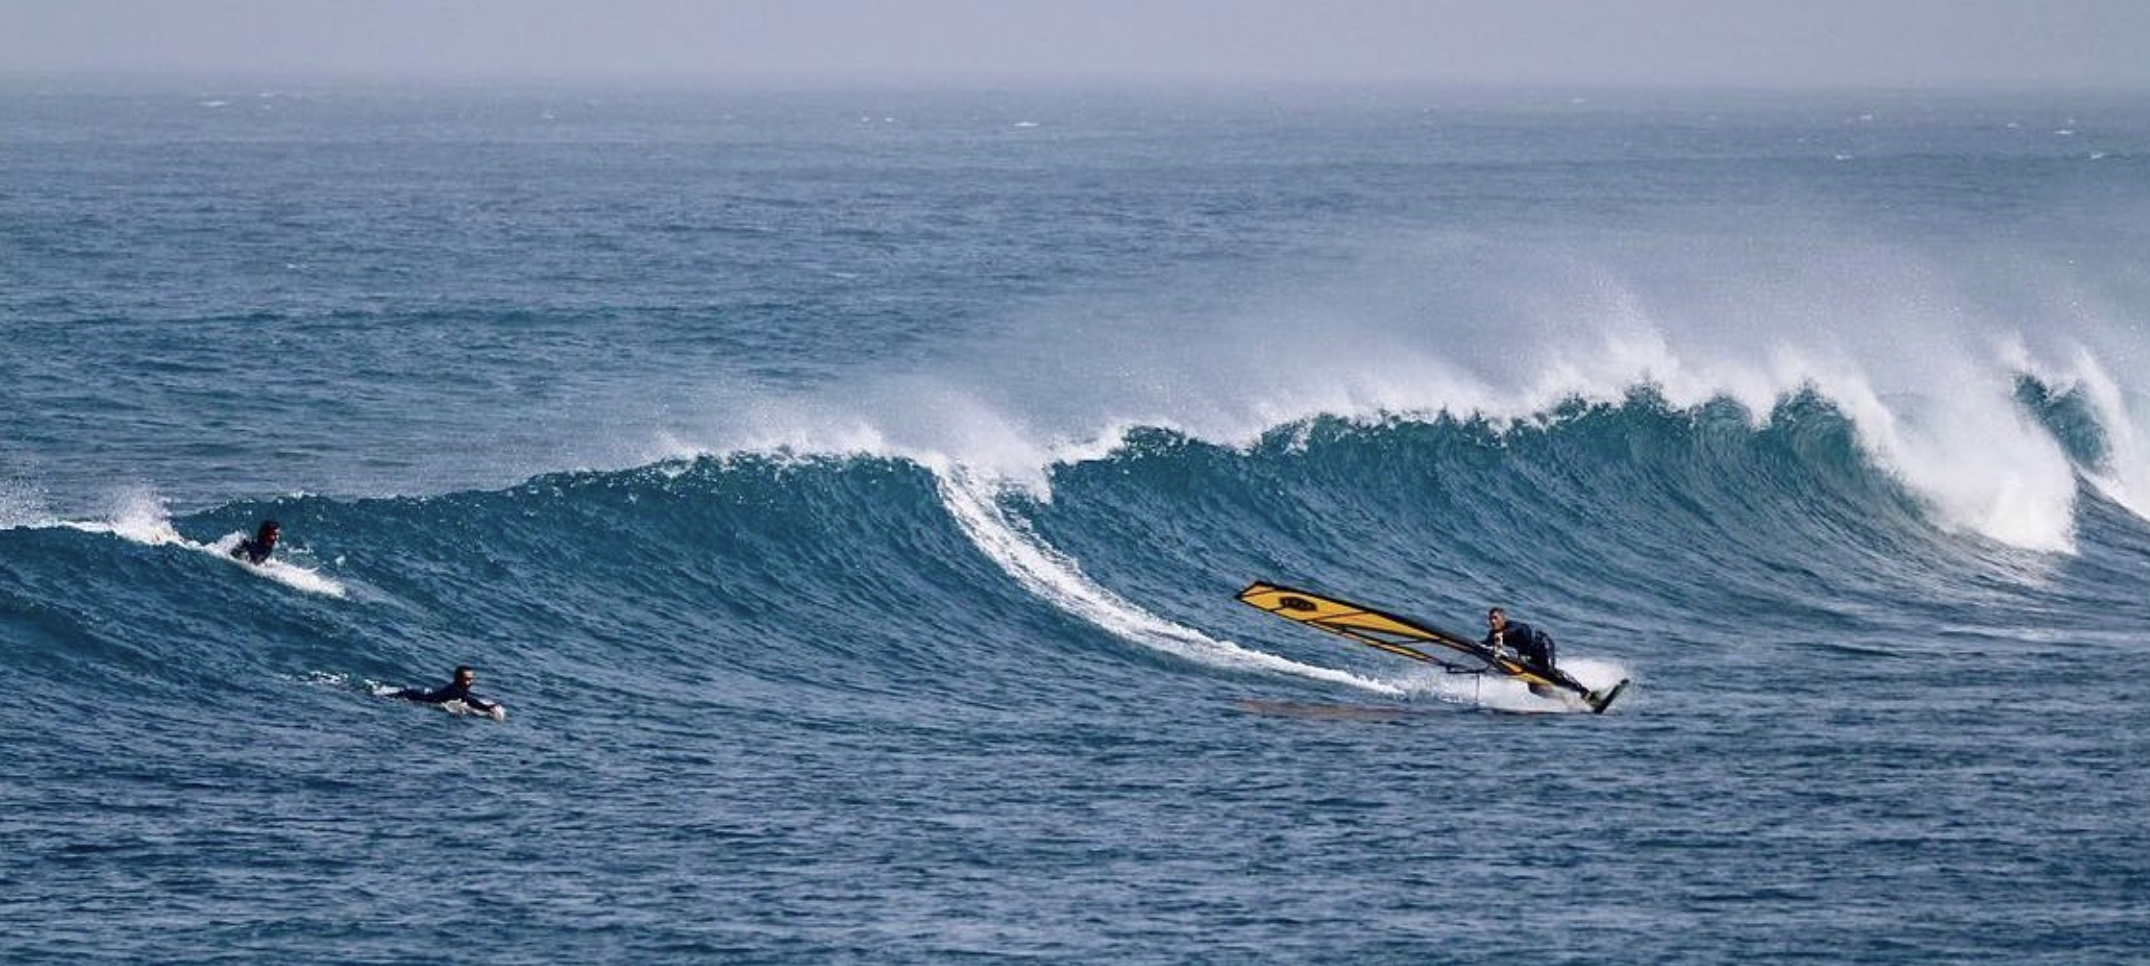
[[845, 492]]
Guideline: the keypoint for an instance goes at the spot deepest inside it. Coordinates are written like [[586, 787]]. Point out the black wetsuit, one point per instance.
[[1534, 650], [1520, 638], [253, 551], [452, 691]]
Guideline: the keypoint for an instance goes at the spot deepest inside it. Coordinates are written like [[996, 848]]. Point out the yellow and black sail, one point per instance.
[[1398, 635]]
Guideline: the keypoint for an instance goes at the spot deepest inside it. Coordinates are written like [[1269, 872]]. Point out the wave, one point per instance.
[[148, 524], [1057, 579], [1921, 346], [750, 580]]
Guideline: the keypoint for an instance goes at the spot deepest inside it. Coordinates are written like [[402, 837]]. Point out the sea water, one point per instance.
[[846, 491]]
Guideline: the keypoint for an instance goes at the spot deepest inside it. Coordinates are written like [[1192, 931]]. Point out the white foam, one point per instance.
[[22, 504], [1507, 694], [1915, 350], [141, 517], [1980, 461], [1054, 577], [1976, 459], [1487, 691], [928, 421], [2124, 474], [293, 575], [136, 515], [2125, 479]]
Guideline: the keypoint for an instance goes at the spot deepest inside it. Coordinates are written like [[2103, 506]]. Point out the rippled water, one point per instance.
[[846, 492]]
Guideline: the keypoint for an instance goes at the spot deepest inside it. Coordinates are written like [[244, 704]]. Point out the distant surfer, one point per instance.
[[456, 690], [1530, 645], [263, 543]]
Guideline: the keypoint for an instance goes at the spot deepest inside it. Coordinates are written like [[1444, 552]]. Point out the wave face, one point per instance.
[[846, 494], [746, 651]]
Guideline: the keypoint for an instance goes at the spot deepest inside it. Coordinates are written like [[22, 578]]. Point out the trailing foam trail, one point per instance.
[[1055, 578], [143, 521]]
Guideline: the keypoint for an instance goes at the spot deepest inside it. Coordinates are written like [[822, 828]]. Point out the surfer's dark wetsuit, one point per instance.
[[1533, 649], [1523, 640], [456, 690], [258, 547]]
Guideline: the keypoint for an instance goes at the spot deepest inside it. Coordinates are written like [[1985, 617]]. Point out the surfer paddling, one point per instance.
[[256, 550], [456, 690]]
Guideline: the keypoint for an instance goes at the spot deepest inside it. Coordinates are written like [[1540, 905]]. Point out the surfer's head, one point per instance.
[[466, 675], [1496, 618], [269, 531]]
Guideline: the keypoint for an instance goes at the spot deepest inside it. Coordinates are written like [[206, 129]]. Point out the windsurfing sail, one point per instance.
[[1405, 637]]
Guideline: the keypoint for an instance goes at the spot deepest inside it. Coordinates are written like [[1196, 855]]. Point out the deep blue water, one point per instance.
[[845, 492]]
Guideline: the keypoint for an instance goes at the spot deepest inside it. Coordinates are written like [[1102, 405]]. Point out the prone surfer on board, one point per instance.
[[258, 548], [1530, 645], [456, 690]]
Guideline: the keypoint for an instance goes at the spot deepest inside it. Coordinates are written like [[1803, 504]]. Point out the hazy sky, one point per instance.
[[1796, 43]]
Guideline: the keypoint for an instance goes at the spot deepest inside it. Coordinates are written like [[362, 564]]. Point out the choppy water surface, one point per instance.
[[846, 493]]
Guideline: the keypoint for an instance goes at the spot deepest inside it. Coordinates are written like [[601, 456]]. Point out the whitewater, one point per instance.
[[847, 491]]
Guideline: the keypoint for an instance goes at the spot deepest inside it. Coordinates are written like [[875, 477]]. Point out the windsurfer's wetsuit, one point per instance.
[[452, 691], [253, 551], [1521, 639], [1533, 649]]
